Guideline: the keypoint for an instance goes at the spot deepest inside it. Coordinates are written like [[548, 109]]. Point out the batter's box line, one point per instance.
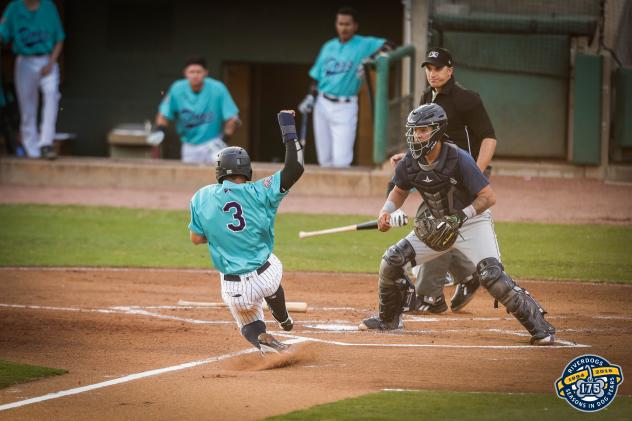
[[559, 344]]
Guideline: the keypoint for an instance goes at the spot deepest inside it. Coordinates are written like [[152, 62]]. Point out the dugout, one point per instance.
[[121, 55]]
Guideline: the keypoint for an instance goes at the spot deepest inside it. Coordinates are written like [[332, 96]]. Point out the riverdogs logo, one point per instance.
[[589, 383]]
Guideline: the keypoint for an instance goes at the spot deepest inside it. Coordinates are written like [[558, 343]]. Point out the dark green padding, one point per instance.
[[587, 109]]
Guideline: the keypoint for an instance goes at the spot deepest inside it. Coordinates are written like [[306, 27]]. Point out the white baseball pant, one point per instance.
[[477, 241], [205, 153], [335, 131], [28, 82], [245, 298]]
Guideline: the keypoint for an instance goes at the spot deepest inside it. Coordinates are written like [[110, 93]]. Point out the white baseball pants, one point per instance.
[[477, 241], [205, 153], [245, 298], [335, 130], [28, 82]]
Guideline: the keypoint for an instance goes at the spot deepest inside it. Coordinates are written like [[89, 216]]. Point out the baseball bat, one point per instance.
[[364, 226], [295, 306]]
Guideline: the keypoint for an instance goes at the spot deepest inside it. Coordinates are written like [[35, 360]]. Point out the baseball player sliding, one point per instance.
[[236, 219], [458, 197]]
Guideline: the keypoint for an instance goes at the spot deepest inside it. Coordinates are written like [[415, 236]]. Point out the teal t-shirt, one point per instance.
[[199, 116], [32, 32], [338, 66], [238, 222]]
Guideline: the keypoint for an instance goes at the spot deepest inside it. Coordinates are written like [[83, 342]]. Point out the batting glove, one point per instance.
[[307, 105], [398, 218], [155, 138]]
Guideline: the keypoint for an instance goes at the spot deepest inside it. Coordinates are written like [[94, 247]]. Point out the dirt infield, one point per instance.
[[104, 325]]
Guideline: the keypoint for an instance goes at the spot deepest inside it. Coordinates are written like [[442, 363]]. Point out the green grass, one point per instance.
[[42, 235], [460, 406], [11, 373]]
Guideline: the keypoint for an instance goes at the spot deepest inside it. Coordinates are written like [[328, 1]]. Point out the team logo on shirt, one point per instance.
[[334, 67], [31, 38], [267, 182], [589, 383], [191, 120]]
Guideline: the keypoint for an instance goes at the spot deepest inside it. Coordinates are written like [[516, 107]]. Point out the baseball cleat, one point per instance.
[[547, 340], [375, 323], [268, 344], [48, 152], [288, 324], [429, 305], [464, 293]]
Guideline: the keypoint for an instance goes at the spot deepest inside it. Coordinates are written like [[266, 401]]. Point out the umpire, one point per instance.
[[471, 129]]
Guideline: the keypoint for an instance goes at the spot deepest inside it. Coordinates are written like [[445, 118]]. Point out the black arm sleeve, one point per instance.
[[293, 168]]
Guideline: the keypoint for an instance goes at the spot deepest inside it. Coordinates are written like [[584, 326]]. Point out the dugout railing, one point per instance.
[[391, 104]]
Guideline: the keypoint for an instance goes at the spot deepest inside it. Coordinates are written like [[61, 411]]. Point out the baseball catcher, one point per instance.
[[457, 197]]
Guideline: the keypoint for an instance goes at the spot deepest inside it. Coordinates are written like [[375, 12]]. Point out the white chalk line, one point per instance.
[[132, 377], [558, 344], [293, 339]]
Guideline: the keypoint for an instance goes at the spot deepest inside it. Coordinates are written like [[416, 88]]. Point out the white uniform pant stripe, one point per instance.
[[245, 298]]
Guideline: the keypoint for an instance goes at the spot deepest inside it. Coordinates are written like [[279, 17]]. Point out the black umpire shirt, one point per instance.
[[464, 108]]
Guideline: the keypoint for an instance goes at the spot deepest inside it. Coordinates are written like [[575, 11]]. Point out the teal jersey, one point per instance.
[[338, 66], [32, 32], [199, 116], [238, 222]]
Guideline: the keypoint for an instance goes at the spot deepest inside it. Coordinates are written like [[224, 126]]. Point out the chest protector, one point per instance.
[[438, 182]]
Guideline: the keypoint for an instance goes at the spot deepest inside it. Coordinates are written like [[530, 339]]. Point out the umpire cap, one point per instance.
[[233, 161], [439, 57]]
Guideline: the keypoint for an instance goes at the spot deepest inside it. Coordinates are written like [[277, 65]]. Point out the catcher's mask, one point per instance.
[[233, 161], [432, 122]]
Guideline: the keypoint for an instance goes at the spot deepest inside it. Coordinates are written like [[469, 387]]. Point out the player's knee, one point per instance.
[[493, 278], [394, 260], [251, 331]]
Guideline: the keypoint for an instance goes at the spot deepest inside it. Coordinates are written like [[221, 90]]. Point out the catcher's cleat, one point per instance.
[[375, 323], [430, 305], [268, 344], [464, 293], [288, 324], [544, 334]]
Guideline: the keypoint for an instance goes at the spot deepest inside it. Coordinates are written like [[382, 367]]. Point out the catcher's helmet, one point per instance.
[[233, 161], [427, 115]]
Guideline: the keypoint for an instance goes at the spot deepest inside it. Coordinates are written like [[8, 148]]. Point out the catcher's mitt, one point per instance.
[[437, 233]]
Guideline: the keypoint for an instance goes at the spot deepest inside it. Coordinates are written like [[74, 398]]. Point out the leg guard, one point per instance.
[[276, 302], [394, 284], [517, 300], [395, 289], [251, 331]]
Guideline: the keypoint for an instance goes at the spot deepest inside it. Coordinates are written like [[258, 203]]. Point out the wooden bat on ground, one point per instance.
[[365, 226], [297, 307]]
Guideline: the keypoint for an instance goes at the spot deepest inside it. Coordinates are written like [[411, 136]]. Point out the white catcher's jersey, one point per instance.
[[245, 298]]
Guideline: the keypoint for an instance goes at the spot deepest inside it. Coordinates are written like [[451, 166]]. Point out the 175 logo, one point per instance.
[[589, 383]]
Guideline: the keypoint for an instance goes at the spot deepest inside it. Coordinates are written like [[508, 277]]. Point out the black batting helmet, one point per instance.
[[233, 161], [427, 115]]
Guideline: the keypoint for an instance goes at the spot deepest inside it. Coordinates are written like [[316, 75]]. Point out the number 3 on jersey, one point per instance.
[[238, 216]]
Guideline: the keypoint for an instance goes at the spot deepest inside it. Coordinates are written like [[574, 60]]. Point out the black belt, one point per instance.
[[336, 99], [237, 278]]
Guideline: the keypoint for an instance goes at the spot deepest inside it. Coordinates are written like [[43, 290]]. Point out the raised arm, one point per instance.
[[293, 168]]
